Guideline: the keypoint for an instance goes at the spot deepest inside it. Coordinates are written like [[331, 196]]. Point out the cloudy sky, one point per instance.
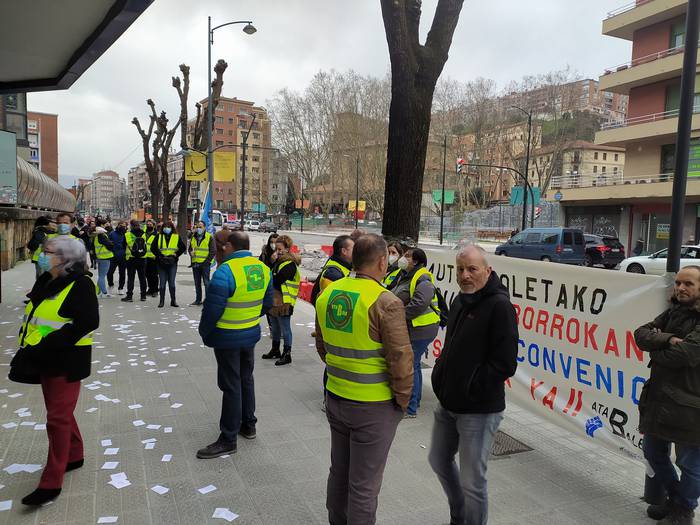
[[499, 39]]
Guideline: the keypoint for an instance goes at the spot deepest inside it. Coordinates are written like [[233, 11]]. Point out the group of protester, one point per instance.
[[377, 310]]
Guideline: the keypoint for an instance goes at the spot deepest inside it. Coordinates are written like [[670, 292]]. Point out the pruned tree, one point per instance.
[[415, 69], [150, 152]]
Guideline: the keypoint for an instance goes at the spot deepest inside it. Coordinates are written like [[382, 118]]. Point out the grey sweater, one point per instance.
[[417, 305]]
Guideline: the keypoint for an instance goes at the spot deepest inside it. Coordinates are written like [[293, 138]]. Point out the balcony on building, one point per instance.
[[625, 20]]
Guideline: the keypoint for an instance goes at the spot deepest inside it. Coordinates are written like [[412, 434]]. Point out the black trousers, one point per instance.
[[113, 265], [235, 380], [167, 275], [200, 272], [135, 267], [152, 275]]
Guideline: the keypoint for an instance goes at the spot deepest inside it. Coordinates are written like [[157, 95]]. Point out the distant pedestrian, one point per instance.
[[669, 405], [42, 229], [167, 246], [240, 292], [102, 247], [151, 264], [416, 288], [202, 249], [479, 354], [361, 336], [55, 343], [221, 238], [286, 280], [136, 251], [118, 262]]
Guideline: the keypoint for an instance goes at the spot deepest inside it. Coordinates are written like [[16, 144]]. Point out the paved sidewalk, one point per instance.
[[143, 353]]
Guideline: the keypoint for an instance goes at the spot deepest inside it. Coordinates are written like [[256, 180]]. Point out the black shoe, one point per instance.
[[161, 304], [678, 515], [41, 496], [286, 357], [659, 512], [217, 449], [128, 299], [174, 304], [196, 303], [153, 294], [74, 465], [143, 297], [247, 432], [274, 352]]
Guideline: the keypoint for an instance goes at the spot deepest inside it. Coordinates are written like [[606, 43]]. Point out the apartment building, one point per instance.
[[42, 135], [638, 204], [106, 195], [279, 176], [137, 187]]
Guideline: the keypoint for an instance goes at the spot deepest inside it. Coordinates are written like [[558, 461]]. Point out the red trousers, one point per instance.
[[65, 441]]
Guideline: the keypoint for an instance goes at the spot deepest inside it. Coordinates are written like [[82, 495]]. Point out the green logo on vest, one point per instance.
[[341, 306], [254, 277]]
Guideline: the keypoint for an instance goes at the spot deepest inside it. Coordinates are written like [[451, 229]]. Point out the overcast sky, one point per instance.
[[499, 39]]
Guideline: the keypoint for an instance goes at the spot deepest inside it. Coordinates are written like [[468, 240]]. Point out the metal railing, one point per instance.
[[642, 119], [645, 59], [626, 7], [593, 180]]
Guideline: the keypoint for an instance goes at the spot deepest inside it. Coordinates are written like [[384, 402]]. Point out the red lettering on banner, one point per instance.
[[577, 333], [579, 404], [631, 346], [589, 336], [557, 324], [528, 310], [516, 307], [549, 399], [542, 318], [570, 402], [534, 386], [611, 343]]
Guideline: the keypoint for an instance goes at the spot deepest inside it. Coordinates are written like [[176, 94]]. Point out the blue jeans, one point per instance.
[[102, 269], [166, 276], [686, 490], [281, 328], [472, 436], [235, 380], [419, 349], [200, 272]]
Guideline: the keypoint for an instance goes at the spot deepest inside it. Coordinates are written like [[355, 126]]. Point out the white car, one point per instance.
[[252, 226], [655, 264]]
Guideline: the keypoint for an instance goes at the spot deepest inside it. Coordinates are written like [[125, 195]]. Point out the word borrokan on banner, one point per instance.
[[578, 364]]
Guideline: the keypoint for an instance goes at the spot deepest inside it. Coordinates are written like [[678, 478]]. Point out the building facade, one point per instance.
[[106, 195], [138, 187], [42, 136], [278, 180], [641, 205]]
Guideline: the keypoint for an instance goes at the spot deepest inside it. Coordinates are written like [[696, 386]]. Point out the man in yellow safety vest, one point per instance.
[[202, 250], [362, 337]]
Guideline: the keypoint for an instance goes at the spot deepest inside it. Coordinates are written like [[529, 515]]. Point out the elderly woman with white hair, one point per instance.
[[55, 343]]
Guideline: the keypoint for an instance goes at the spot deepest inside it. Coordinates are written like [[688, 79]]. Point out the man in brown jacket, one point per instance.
[[362, 337]]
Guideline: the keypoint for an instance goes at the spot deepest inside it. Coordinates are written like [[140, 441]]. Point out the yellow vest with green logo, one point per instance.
[[171, 247], [130, 238], [391, 277], [355, 362], [290, 289], [40, 322], [431, 314], [200, 251], [149, 245], [244, 307], [101, 251]]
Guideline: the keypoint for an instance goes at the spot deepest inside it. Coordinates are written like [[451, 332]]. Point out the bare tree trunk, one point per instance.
[[415, 69]]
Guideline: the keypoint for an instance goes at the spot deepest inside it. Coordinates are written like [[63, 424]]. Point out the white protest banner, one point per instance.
[[578, 364]]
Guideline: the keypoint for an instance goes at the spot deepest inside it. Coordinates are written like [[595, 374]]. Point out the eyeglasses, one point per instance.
[[47, 252]]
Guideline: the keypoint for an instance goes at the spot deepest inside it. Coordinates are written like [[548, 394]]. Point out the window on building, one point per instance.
[[230, 191], [615, 170], [668, 158], [595, 155], [219, 120], [595, 169], [256, 135], [677, 34], [219, 131], [242, 124], [274, 186], [605, 156], [219, 142], [219, 204], [256, 159], [230, 133], [602, 170], [230, 120], [616, 157]]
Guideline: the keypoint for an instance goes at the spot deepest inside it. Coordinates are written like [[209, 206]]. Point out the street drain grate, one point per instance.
[[505, 445]]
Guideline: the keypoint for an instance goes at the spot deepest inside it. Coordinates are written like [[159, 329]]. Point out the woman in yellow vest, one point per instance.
[[104, 253], [285, 281], [395, 253], [416, 288], [167, 246], [55, 343], [202, 250]]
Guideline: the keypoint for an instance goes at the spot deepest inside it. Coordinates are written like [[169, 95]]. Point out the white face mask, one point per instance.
[[403, 263], [393, 258], [272, 246]]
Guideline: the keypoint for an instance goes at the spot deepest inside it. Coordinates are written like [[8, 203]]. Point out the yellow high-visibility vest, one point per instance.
[[244, 307], [290, 289], [391, 277], [149, 245], [355, 362], [171, 247], [130, 238], [200, 251], [101, 251], [40, 322], [432, 313]]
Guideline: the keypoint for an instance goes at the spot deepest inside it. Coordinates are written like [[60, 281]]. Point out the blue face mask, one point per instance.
[[200, 231], [63, 229], [167, 231], [44, 262]]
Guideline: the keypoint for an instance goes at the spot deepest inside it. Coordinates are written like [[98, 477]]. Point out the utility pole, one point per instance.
[[442, 199]]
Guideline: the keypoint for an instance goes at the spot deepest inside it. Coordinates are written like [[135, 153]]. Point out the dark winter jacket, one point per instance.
[[181, 247], [38, 237], [417, 305], [119, 242], [220, 289], [56, 354], [279, 277], [480, 351], [669, 405]]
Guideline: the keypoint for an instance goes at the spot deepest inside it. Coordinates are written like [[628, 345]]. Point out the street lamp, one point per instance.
[[527, 169], [248, 29], [244, 146]]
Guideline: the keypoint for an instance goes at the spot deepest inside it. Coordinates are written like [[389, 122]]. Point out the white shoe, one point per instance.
[[100, 295], [110, 289], [120, 291], [108, 295]]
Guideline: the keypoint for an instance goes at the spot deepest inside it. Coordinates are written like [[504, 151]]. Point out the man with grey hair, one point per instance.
[[479, 354]]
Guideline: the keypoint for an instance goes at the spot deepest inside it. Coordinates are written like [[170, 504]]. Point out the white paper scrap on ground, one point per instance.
[[90, 410], [153, 427], [207, 489], [159, 489], [106, 442], [132, 407], [139, 423], [150, 446], [164, 396], [167, 430], [120, 483], [166, 458], [111, 451], [9, 425], [40, 426], [108, 519], [5, 505], [224, 514], [176, 405], [110, 465]]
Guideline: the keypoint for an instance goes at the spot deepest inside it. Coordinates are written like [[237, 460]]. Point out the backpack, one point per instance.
[[444, 308], [138, 247]]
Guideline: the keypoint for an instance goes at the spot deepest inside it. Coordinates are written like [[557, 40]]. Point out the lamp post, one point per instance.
[[248, 29], [442, 198], [527, 170], [244, 147]]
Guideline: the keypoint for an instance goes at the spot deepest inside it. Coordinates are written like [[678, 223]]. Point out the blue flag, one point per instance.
[[206, 211]]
